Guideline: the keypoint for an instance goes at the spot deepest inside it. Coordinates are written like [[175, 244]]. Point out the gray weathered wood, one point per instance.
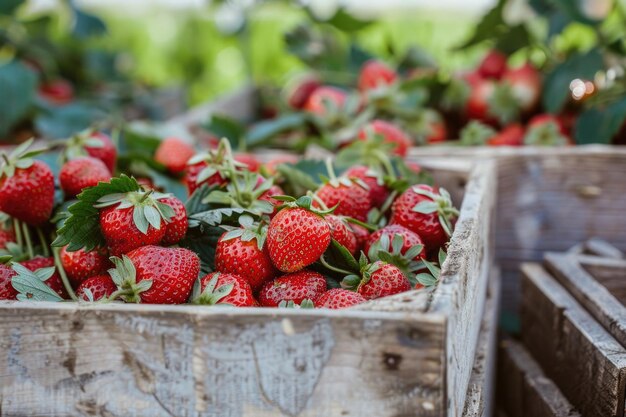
[[575, 351], [610, 273], [523, 388], [591, 293], [479, 400]]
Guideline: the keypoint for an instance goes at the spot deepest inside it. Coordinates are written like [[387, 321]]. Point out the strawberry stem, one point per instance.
[[6, 158], [146, 195], [331, 172], [333, 268], [66, 282], [318, 200], [29, 244], [18, 232], [386, 206], [43, 241]]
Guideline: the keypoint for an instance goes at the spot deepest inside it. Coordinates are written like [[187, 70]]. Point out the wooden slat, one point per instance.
[[523, 388], [479, 400], [610, 273], [575, 351], [592, 294], [126, 360]]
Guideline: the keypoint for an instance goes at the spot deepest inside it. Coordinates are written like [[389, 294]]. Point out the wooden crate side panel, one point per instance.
[[479, 400], [595, 297], [189, 362], [524, 389], [610, 273], [585, 361]]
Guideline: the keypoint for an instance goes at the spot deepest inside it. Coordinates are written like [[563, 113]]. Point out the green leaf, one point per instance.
[[203, 240], [9, 6], [64, 121], [556, 86], [346, 22], [82, 228], [338, 256], [87, 25], [488, 28], [31, 287], [298, 178], [225, 127], [600, 124], [263, 132], [18, 85], [218, 216]]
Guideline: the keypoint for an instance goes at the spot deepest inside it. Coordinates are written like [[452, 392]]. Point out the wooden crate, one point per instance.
[[523, 388], [407, 355], [586, 362]]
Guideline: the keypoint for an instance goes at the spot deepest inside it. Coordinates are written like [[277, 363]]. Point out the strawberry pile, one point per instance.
[[249, 233]]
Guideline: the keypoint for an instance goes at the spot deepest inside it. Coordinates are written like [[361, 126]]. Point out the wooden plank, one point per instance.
[[592, 294], [523, 388], [127, 360], [597, 247], [575, 351], [609, 272], [479, 399]]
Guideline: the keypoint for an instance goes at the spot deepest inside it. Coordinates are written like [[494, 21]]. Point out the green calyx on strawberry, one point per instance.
[[305, 202], [441, 204], [354, 281], [19, 158], [476, 133], [377, 279], [545, 134], [212, 294], [504, 105], [393, 251], [215, 167], [430, 272], [244, 191], [305, 304], [248, 231], [91, 143], [124, 276]]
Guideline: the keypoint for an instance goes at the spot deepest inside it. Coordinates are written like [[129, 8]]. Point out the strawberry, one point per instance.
[[325, 100], [351, 199], [378, 279], [174, 153], [155, 275], [58, 92], [214, 167], [493, 65], [409, 239], [296, 287], [6, 236], [100, 146], [545, 130], [96, 288], [299, 89], [478, 103], [26, 187], [525, 84], [176, 228], [221, 288], [134, 219], [249, 161], [511, 135], [80, 265], [361, 234], [375, 74], [390, 134], [268, 195], [544, 118], [428, 127], [337, 298], [82, 173], [340, 231], [270, 166], [378, 193], [242, 252], [54, 282], [7, 292], [429, 213], [297, 236]]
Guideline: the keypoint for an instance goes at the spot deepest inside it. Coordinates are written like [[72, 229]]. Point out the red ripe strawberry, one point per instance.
[[426, 212], [82, 173], [135, 219], [378, 193], [324, 99], [192, 177], [176, 229], [26, 187], [267, 195], [351, 197], [493, 65], [80, 265], [337, 298], [59, 91], [297, 237], [378, 279], [361, 234], [340, 231], [390, 134], [156, 275], [6, 236], [511, 135], [213, 167], [296, 287], [525, 83], [409, 240], [299, 89], [544, 118], [246, 258], [546, 130], [54, 282], [375, 74], [249, 161], [100, 286], [270, 166], [100, 146], [7, 292], [174, 153], [220, 288], [477, 106]]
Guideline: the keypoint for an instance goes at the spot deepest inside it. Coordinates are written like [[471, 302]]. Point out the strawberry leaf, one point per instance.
[[31, 287], [82, 228]]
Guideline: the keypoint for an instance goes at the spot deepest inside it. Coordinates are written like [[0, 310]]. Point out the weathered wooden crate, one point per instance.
[[585, 360], [523, 388], [407, 355]]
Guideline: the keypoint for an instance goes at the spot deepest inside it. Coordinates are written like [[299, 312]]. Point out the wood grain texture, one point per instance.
[[523, 388], [600, 297], [575, 351], [480, 397]]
